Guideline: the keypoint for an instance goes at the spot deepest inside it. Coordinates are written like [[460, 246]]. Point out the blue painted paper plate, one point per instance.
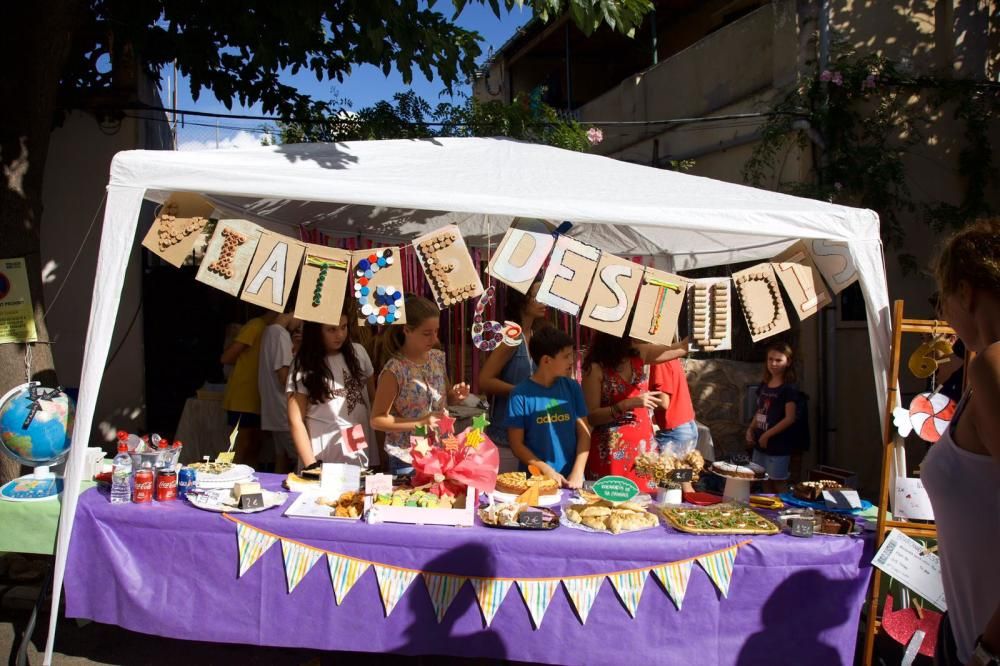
[[792, 500]]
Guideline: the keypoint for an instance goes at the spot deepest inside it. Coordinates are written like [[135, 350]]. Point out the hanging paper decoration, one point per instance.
[[448, 267], [442, 589], [719, 567], [628, 585], [272, 271], [490, 593], [674, 579], [761, 299], [568, 274], [903, 623], [930, 355], [378, 280], [537, 595], [835, 263], [177, 227], [802, 280], [299, 560], [392, 583], [709, 320], [252, 544], [488, 334], [930, 414], [322, 285], [521, 254], [582, 591], [228, 255], [612, 295], [658, 307], [344, 573]]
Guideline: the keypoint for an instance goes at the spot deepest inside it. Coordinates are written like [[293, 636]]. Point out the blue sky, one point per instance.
[[365, 86]]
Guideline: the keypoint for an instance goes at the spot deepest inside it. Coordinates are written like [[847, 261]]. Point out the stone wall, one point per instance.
[[718, 391]]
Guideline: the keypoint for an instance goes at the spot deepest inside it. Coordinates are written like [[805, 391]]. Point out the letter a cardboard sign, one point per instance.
[[570, 269], [612, 294], [658, 307], [520, 255], [272, 271]]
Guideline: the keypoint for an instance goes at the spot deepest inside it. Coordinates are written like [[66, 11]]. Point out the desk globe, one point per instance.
[[36, 426]]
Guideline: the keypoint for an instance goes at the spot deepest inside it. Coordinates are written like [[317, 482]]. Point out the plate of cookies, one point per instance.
[[346, 506], [600, 515]]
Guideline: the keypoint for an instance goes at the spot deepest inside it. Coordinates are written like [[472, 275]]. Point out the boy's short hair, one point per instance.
[[547, 341]]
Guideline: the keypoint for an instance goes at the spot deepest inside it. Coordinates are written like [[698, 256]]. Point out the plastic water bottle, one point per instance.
[[121, 474]]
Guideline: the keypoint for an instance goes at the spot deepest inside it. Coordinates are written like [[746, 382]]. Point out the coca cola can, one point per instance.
[[143, 491], [185, 481], [166, 485]]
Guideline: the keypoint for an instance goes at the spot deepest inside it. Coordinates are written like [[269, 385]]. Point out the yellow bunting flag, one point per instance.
[[299, 560], [583, 592], [719, 567], [252, 544], [442, 590], [674, 578], [392, 582], [344, 573], [490, 592], [537, 595], [628, 585]]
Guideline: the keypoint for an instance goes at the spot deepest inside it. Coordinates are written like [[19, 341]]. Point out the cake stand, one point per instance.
[[737, 488]]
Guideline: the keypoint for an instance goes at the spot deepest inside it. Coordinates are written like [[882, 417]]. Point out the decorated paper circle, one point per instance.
[[930, 414]]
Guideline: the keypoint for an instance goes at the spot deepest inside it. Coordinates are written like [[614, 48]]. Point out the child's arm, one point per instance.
[[592, 380], [489, 377], [779, 427], [382, 417], [298, 407], [575, 479], [653, 354], [516, 438]]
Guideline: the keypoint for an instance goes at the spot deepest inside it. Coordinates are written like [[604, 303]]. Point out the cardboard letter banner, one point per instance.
[[322, 284], [228, 255], [177, 226], [833, 259], [760, 297], [612, 295], [378, 286], [272, 271], [658, 307], [520, 255], [448, 266], [568, 275], [801, 280], [709, 315]]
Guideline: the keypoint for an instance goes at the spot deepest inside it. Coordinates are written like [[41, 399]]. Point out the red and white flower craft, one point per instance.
[[928, 416]]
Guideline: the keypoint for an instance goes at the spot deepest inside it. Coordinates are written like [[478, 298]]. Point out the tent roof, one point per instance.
[[394, 190]]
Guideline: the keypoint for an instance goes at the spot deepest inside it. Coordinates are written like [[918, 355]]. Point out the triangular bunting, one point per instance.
[[392, 582], [299, 560], [674, 578], [344, 573], [719, 567], [442, 589], [582, 592], [537, 595], [252, 544], [490, 592], [629, 586]]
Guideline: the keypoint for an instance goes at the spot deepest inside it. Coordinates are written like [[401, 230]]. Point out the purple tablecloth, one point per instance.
[[170, 569]]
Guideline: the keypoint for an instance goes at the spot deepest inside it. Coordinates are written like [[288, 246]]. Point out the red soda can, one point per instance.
[[143, 491], [166, 485]]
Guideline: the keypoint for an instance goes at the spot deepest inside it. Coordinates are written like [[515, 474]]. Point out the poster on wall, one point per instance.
[[521, 254], [802, 280], [710, 324], [17, 319], [612, 295], [177, 226], [834, 261], [322, 284], [378, 286], [760, 296], [658, 307], [448, 266], [568, 274], [228, 255], [272, 271]]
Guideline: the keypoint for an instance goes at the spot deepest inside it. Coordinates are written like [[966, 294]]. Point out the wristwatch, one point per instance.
[[983, 654]]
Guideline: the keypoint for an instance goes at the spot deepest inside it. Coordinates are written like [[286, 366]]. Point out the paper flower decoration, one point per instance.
[[901, 419]]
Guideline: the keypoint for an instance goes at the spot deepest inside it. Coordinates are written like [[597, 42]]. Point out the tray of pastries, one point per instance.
[[733, 470], [514, 516], [718, 519], [599, 515], [812, 491], [517, 483]]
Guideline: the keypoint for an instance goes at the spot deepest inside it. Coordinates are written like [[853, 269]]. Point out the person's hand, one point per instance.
[[575, 481], [458, 392], [683, 344], [431, 419], [550, 473], [647, 400], [750, 440], [762, 441], [313, 465]]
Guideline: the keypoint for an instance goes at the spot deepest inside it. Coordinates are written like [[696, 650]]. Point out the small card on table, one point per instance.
[[338, 478]]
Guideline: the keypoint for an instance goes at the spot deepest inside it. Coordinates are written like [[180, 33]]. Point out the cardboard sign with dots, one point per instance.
[[378, 286]]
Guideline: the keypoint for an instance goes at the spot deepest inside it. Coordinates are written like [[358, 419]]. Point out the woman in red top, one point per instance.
[[616, 388]]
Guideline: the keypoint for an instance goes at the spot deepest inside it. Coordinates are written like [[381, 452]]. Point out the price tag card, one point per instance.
[[682, 475], [842, 499], [337, 478], [251, 501], [911, 564], [376, 484]]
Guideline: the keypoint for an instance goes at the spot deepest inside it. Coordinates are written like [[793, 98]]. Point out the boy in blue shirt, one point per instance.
[[546, 414]]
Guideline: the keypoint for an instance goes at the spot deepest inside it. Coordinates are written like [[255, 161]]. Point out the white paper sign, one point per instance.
[[376, 484], [911, 501], [842, 499], [909, 562], [337, 478]]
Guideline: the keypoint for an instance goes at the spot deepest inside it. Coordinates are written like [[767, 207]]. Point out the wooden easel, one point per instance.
[[919, 530]]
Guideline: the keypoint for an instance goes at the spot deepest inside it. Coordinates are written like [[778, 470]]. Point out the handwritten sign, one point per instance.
[[908, 561], [337, 478], [616, 488]]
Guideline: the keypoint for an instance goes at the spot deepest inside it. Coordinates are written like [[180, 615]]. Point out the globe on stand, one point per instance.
[[36, 428]]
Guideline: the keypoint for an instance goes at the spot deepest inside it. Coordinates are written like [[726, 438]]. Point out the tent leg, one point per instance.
[[19, 656]]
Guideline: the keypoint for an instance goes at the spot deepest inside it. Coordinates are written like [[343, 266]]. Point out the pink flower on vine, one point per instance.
[[595, 136], [837, 79], [826, 76], [869, 82]]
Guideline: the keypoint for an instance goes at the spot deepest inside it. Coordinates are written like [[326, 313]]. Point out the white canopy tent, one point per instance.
[[396, 190]]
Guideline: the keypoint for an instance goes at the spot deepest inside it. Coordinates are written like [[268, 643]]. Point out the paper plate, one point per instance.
[[543, 500], [219, 502], [227, 479]]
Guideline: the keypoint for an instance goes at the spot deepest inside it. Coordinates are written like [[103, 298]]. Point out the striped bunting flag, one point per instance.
[[583, 592], [629, 586], [344, 573], [252, 544], [490, 592], [719, 567], [299, 560], [392, 583], [442, 590], [674, 578], [537, 595]]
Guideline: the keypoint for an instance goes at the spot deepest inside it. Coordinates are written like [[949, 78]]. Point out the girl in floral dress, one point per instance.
[[413, 386], [616, 388]]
